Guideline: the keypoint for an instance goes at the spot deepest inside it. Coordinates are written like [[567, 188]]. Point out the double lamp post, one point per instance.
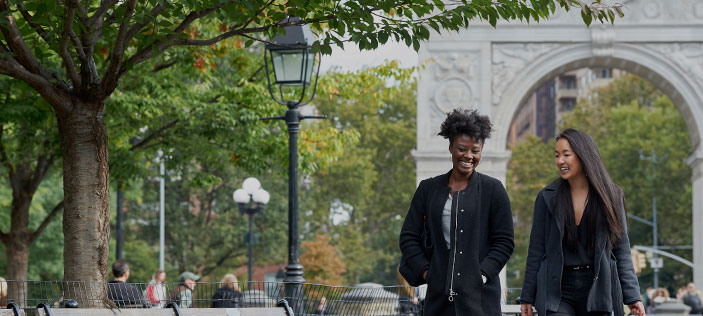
[[251, 199]]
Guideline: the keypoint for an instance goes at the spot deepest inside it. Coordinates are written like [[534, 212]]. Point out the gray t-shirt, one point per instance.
[[447, 220]]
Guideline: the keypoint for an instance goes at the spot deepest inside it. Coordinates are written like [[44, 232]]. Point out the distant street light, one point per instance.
[[655, 262], [295, 68], [251, 199]]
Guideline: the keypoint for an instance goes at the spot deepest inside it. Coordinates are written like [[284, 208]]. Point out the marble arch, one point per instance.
[[494, 69]]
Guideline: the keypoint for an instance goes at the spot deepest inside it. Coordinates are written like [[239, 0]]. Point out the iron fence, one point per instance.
[[511, 295], [306, 299]]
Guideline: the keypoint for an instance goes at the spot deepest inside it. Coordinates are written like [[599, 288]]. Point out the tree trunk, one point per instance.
[[17, 248], [86, 219]]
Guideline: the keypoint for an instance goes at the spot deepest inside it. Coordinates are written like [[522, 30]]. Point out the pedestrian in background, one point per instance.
[[122, 293], [156, 290], [458, 233], [693, 299], [228, 295], [183, 293], [3, 292], [322, 307], [579, 259]]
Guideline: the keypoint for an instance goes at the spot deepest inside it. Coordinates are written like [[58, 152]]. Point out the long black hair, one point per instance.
[[605, 197]]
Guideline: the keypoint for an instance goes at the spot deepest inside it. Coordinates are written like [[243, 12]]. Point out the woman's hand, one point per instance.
[[637, 308], [424, 275], [526, 309]]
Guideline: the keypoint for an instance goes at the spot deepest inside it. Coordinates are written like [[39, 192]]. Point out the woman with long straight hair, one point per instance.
[[579, 261]]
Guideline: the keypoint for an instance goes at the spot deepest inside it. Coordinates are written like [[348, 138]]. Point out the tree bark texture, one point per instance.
[[86, 219], [17, 248]]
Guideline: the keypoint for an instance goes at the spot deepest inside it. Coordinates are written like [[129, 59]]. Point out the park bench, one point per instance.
[[171, 310]]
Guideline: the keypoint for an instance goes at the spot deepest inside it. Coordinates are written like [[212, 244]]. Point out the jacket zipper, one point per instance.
[[456, 227]]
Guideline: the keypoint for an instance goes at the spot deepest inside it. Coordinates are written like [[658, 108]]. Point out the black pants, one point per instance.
[[575, 286]]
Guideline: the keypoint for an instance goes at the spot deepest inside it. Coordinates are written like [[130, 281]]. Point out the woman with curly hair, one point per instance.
[[458, 233], [578, 261]]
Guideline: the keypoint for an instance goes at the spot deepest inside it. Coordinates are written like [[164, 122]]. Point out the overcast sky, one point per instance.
[[351, 58]]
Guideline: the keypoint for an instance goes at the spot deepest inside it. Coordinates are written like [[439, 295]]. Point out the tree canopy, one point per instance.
[[74, 54]]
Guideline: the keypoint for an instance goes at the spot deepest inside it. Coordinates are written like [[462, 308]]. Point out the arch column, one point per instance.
[[696, 163]]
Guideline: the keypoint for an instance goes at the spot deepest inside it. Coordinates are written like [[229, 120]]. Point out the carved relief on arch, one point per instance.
[[511, 58], [688, 56], [602, 40], [698, 10], [455, 74]]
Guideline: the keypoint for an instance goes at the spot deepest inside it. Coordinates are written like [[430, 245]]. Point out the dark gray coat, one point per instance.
[[614, 279], [483, 244]]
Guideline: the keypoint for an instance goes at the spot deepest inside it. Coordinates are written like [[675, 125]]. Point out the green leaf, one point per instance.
[[586, 15], [382, 37], [39, 53]]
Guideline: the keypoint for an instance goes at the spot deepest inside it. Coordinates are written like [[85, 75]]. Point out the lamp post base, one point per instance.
[[294, 286], [294, 273]]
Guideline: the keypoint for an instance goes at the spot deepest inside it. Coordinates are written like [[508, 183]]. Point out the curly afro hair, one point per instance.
[[469, 122]]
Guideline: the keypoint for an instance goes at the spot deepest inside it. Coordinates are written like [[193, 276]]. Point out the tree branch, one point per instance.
[[82, 14], [244, 31], [93, 25], [163, 66], [17, 45], [12, 68], [153, 135], [99, 14], [33, 236], [109, 81], [44, 163], [227, 255], [251, 78], [63, 45], [138, 26], [148, 52], [29, 18]]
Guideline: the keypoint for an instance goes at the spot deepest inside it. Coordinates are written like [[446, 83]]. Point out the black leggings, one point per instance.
[[575, 286]]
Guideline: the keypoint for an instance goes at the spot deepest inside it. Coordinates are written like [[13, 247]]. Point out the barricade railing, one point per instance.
[[305, 299]]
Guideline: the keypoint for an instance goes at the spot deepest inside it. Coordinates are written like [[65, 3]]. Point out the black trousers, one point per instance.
[[575, 286]]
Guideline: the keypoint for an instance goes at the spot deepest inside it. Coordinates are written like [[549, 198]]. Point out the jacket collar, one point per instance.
[[444, 179], [549, 192]]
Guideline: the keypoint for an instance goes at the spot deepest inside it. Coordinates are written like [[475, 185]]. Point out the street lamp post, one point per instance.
[[251, 199], [655, 261], [295, 70]]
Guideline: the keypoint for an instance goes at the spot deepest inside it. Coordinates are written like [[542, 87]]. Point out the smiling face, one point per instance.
[[567, 161], [466, 154]]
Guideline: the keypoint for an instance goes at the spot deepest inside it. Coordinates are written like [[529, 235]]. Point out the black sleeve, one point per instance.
[[501, 235], [626, 271], [410, 235], [535, 251], [216, 299]]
